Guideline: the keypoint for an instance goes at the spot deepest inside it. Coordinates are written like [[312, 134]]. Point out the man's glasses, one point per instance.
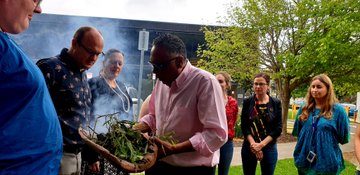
[[260, 84], [90, 52], [161, 66], [38, 2]]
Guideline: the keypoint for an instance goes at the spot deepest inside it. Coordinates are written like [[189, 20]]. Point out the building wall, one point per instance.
[[48, 34]]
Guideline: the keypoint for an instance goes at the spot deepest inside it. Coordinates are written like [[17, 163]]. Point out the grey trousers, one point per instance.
[[70, 164]]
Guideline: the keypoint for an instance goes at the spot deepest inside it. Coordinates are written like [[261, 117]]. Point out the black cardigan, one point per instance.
[[275, 125]]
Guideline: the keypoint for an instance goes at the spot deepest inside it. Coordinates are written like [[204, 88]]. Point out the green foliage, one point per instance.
[[238, 131], [300, 91], [231, 49], [292, 40], [299, 39], [122, 141], [287, 166], [169, 137]]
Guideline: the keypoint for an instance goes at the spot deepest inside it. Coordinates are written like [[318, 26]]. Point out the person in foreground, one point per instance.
[[231, 106], [109, 96], [67, 82], [30, 133], [261, 124], [320, 125], [186, 102]]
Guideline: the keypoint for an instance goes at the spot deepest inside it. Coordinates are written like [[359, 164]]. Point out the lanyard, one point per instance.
[[315, 121], [120, 96]]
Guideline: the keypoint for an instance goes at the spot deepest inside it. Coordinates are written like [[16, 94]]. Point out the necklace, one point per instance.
[[126, 97]]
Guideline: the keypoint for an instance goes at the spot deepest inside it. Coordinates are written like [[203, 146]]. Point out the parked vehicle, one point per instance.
[[352, 109]]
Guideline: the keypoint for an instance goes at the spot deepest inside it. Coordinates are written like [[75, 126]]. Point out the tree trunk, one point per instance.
[[283, 88]]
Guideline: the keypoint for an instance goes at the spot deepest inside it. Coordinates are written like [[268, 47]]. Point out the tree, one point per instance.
[[298, 39], [230, 49]]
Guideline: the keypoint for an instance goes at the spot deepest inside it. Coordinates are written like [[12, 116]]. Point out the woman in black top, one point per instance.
[[109, 96], [261, 124]]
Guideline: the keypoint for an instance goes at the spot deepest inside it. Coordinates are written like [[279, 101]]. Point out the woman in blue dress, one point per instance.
[[321, 124]]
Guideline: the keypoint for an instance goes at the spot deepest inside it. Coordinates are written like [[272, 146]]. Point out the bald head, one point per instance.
[[86, 30], [86, 46]]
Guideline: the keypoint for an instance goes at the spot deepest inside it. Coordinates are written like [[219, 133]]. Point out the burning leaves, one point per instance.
[[122, 141]]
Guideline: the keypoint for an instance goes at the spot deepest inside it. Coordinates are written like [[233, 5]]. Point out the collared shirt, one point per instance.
[[193, 109], [70, 93], [30, 133]]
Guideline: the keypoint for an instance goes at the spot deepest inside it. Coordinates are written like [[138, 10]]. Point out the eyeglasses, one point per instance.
[[161, 66], [120, 63], [259, 84], [90, 52]]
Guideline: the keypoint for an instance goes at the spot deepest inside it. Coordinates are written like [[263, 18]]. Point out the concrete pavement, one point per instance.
[[285, 150]]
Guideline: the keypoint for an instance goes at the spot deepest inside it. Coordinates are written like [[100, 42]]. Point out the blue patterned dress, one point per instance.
[[329, 133]]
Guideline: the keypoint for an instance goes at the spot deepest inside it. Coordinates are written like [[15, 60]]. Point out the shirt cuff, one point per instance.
[[199, 144]]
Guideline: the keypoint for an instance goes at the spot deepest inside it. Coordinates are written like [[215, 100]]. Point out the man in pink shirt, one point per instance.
[[187, 102]]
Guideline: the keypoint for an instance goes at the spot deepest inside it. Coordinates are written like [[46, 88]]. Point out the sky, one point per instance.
[[205, 12]]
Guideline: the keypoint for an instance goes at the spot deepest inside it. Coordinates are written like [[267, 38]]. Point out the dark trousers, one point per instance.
[[161, 168], [268, 163], [226, 155]]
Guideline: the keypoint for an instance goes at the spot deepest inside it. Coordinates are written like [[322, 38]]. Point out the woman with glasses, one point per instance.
[[231, 109], [261, 124], [109, 96], [320, 125]]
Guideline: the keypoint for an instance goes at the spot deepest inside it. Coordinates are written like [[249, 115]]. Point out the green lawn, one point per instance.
[[286, 166]]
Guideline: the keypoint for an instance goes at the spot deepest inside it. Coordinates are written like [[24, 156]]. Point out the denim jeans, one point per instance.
[[226, 154], [268, 163]]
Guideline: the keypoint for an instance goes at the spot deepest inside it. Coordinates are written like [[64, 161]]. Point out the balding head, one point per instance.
[[86, 46]]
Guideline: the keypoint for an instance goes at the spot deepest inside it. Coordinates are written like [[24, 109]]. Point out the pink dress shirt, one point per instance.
[[193, 108]]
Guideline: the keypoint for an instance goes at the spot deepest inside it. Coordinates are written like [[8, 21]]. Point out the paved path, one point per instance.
[[285, 151]]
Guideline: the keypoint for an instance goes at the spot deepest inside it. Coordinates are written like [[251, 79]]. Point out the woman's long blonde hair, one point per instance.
[[227, 78], [330, 99]]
